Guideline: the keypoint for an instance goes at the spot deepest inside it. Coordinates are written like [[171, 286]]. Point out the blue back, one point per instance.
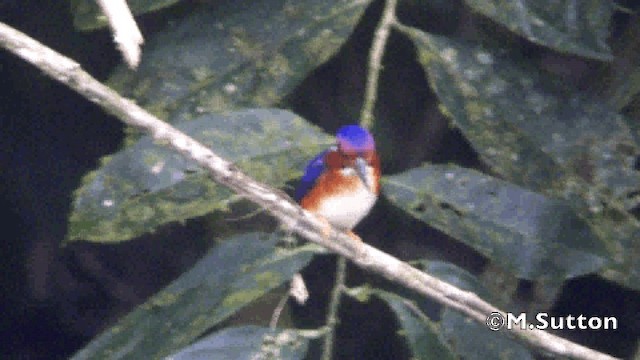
[[312, 172]]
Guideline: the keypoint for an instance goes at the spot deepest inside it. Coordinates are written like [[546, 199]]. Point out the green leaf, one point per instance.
[[569, 26], [232, 275], [527, 128], [420, 332], [626, 269], [87, 15], [469, 339], [524, 232], [624, 89], [247, 342], [539, 134], [146, 185], [236, 54]]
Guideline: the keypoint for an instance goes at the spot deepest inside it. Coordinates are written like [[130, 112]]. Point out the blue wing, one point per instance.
[[314, 169]]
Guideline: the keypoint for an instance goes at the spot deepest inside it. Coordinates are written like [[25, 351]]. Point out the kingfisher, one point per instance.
[[342, 183]]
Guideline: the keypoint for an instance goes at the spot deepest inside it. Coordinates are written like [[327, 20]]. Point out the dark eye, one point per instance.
[[345, 161]]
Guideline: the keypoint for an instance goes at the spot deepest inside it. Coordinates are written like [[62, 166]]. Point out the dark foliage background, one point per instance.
[[56, 298]]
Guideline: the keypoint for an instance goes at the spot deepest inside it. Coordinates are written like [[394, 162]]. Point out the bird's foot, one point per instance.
[[327, 232], [354, 236], [360, 252], [327, 229]]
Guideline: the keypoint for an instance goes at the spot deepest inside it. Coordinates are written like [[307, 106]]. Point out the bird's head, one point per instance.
[[355, 150]]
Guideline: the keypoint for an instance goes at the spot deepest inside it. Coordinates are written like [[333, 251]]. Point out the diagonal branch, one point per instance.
[[279, 205]]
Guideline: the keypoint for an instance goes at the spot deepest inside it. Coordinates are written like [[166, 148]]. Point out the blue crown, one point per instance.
[[355, 138]]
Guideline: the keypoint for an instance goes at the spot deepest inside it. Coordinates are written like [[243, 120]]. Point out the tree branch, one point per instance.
[[126, 33], [334, 305], [376, 53], [274, 201]]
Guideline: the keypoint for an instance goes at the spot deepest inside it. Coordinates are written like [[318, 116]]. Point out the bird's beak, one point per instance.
[[361, 170]]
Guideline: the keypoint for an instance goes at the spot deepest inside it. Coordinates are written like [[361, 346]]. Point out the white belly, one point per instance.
[[347, 210]]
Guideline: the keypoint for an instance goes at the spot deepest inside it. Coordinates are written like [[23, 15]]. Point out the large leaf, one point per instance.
[[247, 342], [232, 275], [542, 135], [525, 232], [570, 26], [87, 15], [237, 54], [420, 332], [527, 128], [147, 184], [469, 339]]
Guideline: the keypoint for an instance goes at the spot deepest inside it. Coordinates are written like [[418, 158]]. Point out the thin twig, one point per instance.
[[276, 313], [376, 53], [297, 290], [334, 305], [126, 33], [416, 310], [284, 209]]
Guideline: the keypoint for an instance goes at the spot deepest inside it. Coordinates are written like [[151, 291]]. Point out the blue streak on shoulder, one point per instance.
[[312, 172]]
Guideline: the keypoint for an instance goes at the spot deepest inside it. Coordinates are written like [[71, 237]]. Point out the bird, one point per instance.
[[342, 183]]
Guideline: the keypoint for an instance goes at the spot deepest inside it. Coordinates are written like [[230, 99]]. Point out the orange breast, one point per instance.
[[341, 200]]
